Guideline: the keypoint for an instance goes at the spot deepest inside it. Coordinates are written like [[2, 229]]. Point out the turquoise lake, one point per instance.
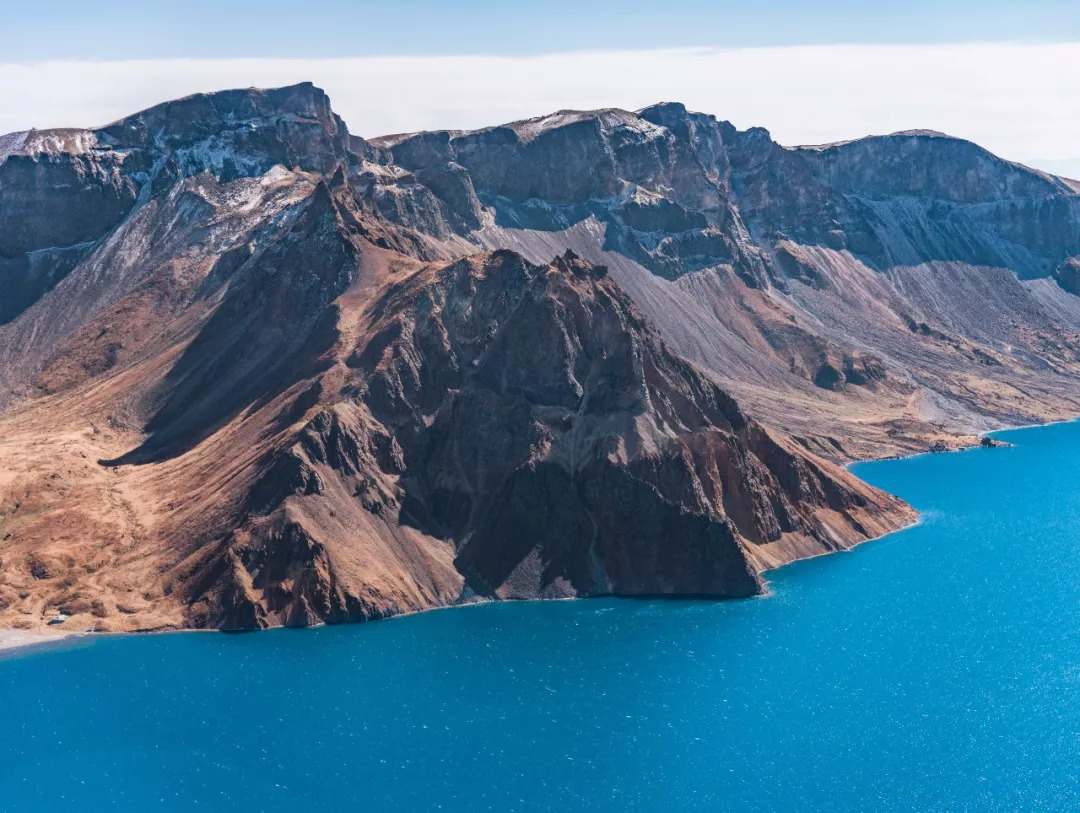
[[935, 669]]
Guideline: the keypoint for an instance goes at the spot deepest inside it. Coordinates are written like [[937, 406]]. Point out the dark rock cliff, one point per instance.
[[789, 264], [62, 190], [529, 420]]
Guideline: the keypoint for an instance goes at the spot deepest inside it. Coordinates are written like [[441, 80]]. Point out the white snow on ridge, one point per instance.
[[529, 129], [10, 143], [58, 142], [611, 118]]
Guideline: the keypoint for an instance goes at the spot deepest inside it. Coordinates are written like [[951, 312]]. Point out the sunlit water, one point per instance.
[[937, 669]]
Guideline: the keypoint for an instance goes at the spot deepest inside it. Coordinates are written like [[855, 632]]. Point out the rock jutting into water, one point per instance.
[[256, 370]]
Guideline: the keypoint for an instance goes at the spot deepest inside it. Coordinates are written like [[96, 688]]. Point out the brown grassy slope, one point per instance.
[[281, 510]]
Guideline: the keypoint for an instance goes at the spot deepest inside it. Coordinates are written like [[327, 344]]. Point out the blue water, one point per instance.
[[937, 669]]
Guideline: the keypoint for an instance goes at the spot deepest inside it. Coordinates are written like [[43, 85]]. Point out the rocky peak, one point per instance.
[[202, 115], [546, 429], [237, 133], [231, 134], [234, 133], [418, 150], [928, 164], [672, 115], [736, 188]]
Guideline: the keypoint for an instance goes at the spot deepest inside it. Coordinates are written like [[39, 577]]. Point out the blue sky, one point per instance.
[[998, 72], [138, 29]]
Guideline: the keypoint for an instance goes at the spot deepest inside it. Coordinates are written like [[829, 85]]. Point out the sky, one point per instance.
[[999, 72]]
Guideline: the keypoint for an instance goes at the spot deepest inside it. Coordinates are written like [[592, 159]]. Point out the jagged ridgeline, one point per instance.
[[255, 370]]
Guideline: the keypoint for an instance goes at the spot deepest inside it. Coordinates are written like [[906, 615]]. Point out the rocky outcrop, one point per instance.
[[898, 199], [529, 419], [923, 163], [62, 190], [1067, 275]]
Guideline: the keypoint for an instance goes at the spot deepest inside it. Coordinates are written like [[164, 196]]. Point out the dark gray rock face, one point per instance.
[[846, 244], [234, 133], [26, 277], [57, 200], [1067, 275], [679, 192], [61, 190], [926, 164]]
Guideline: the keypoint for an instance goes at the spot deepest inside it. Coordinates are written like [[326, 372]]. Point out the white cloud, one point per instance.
[[1018, 100]]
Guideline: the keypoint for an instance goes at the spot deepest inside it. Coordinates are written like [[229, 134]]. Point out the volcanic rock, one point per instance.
[[256, 370]]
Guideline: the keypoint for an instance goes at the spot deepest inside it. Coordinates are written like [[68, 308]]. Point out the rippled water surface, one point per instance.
[[937, 669]]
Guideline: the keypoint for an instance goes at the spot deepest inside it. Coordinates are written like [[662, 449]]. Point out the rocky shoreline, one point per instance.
[[17, 642]]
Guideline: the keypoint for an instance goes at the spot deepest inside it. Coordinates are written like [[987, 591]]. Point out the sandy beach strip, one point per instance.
[[17, 639]]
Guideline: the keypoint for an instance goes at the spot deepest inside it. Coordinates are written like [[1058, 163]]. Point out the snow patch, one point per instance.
[[57, 142], [11, 143], [214, 154], [609, 119]]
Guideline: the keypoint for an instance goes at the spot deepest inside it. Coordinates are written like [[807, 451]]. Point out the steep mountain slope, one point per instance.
[[255, 370], [318, 429], [896, 291]]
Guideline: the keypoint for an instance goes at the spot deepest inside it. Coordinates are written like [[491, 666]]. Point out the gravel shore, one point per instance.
[[14, 639]]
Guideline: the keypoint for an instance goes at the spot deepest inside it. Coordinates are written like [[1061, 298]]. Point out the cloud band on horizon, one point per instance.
[[1016, 100]]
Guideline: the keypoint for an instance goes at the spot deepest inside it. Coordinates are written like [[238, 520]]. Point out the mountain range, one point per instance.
[[256, 370]]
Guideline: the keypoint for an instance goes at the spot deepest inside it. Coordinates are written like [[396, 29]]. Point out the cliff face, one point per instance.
[[680, 191], [506, 430], [88, 181], [897, 290], [255, 370]]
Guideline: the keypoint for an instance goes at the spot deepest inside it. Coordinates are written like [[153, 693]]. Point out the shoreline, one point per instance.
[[16, 642], [918, 514], [20, 641], [1014, 428]]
